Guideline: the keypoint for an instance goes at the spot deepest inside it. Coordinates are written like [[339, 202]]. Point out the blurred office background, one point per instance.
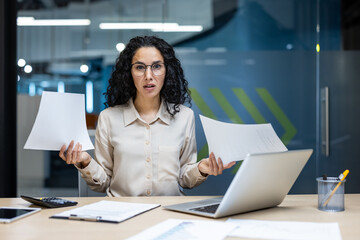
[[292, 63]]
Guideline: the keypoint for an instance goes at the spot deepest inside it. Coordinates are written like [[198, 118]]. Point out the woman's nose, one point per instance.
[[148, 72]]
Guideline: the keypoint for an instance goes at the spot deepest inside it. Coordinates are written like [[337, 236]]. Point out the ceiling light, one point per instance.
[[21, 62], [155, 27], [120, 47], [28, 69], [30, 21], [137, 25], [84, 68]]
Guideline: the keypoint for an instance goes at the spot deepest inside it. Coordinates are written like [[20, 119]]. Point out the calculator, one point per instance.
[[50, 202]]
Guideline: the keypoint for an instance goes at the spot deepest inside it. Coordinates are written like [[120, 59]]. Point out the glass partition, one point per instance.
[[247, 61]]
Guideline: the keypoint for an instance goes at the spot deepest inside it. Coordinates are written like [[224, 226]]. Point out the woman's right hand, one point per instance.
[[75, 155]]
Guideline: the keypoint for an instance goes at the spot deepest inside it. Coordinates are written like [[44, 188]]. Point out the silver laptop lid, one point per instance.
[[263, 181]]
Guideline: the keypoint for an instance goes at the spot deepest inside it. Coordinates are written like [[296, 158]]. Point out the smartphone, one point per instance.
[[10, 214]]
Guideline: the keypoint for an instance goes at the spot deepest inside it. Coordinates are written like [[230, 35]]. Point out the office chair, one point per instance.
[[83, 188]]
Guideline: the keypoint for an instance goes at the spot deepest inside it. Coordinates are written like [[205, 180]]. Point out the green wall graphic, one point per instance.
[[289, 129]]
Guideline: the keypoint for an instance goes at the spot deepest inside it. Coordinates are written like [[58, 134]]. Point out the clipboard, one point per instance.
[[89, 218], [106, 211]]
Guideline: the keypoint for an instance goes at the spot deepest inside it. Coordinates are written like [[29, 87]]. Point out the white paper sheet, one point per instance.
[[232, 142], [60, 119], [108, 210], [177, 229], [285, 230]]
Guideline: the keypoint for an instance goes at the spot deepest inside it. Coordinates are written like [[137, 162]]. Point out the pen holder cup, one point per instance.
[[331, 194]]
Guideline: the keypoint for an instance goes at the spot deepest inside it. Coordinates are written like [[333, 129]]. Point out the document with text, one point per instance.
[[232, 142], [284, 230], [178, 229], [60, 119]]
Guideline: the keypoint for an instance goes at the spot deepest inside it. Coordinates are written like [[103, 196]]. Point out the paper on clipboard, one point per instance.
[[60, 119], [232, 142], [106, 211]]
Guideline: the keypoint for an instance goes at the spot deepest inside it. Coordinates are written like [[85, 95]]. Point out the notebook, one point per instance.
[[262, 181]]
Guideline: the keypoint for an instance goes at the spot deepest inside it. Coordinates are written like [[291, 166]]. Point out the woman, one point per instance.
[[145, 140]]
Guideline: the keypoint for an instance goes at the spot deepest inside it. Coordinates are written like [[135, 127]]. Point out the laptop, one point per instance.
[[262, 181]]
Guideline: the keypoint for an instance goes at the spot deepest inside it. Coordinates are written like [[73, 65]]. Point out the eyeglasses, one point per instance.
[[139, 69]]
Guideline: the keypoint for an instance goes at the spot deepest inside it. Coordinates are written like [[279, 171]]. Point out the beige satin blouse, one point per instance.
[[134, 158]]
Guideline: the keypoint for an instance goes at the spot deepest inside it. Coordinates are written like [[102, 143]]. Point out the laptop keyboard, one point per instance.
[[207, 209]]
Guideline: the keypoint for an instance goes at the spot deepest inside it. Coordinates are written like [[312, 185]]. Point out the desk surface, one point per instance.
[[293, 208]]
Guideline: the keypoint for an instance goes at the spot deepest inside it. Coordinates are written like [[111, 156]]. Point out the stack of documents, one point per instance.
[[177, 229]]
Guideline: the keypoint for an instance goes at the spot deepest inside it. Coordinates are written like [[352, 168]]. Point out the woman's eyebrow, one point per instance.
[[139, 62]]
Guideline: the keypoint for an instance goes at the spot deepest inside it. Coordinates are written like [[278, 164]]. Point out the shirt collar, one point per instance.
[[131, 114], [163, 114]]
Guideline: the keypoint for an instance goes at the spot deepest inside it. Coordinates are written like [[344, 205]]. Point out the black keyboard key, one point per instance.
[[207, 209]]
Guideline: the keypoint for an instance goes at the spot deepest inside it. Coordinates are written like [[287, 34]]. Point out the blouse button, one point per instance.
[[148, 177], [147, 142], [147, 127], [148, 159], [148, 192]]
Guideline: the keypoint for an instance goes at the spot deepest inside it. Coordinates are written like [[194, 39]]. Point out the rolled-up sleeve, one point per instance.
[[190, 175], [98, 173]]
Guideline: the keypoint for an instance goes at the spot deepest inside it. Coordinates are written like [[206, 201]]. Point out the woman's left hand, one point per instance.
[[212, 167]]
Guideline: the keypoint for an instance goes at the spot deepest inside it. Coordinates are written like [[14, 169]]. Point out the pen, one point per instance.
[[330, 194], [85, 217]]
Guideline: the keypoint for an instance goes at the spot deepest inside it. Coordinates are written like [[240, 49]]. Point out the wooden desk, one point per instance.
[[294, 208]]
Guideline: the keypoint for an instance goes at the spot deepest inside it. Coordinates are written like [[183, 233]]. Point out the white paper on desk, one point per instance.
[[109, 210], [60, 119], [285, 230], [177, 229], [232, 142]]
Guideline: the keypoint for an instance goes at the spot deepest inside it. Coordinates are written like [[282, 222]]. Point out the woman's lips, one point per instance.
[[149, 86]]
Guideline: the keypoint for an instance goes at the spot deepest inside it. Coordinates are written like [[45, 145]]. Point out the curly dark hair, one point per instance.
[[121, 84]]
